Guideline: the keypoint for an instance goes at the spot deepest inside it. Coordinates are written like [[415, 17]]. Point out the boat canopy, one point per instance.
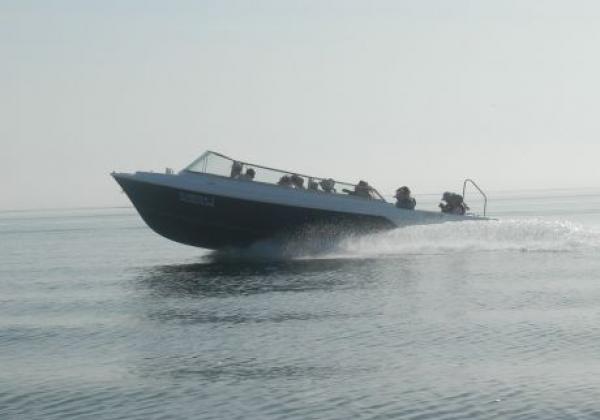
[[218, 164]]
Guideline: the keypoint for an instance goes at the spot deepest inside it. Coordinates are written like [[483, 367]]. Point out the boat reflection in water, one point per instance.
[[218, 202]]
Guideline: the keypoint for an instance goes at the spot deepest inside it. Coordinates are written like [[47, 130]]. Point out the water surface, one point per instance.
[[101, 318]]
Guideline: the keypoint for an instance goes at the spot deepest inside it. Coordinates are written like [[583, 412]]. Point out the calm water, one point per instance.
[[101, 318]]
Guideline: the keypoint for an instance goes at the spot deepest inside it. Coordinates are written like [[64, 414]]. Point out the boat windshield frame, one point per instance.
[[200, 166]]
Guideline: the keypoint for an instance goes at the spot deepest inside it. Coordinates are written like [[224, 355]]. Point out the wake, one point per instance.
[[506, 235], [530, 235]]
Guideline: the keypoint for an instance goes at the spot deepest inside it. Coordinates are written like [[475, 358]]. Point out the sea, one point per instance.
[[101, 318]]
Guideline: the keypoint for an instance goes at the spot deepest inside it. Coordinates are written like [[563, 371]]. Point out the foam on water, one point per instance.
[[531, 235], [510, 235]]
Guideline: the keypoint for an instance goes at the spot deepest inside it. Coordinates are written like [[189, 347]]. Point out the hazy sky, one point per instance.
[[418, 92]]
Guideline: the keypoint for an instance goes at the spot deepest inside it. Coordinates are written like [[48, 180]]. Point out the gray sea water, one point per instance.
[[101, 318]]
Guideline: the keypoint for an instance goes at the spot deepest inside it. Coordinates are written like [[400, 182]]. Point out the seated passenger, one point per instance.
[[362, 189], [453, 203], [404, 199], [236, 170], [285, 181], [297, 181], [249, 175], [312, 185], [327, 185]]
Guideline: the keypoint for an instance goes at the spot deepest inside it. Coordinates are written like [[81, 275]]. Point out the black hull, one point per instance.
[[216, 222]]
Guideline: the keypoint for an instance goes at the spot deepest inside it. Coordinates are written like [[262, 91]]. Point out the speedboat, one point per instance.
[[218, 202]]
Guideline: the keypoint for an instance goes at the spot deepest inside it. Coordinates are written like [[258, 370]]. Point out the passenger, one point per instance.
[[236, 170], [453, 203], [404, 199], [313, 185], [327, 185], [285, 181], [249, 175], [297, 181], [362, 189]]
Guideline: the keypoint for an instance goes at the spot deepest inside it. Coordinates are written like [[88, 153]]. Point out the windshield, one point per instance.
[[217, 164]]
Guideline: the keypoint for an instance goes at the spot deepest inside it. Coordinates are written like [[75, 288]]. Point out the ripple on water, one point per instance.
[[426, 323]]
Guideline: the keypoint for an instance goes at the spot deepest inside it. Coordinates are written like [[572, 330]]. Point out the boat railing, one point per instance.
[[483, 194], [215, 163]]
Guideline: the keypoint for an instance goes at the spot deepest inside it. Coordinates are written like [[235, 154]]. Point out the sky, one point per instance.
[[423, 93]]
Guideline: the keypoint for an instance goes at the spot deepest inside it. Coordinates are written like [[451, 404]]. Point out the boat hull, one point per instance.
[[213, 221]]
